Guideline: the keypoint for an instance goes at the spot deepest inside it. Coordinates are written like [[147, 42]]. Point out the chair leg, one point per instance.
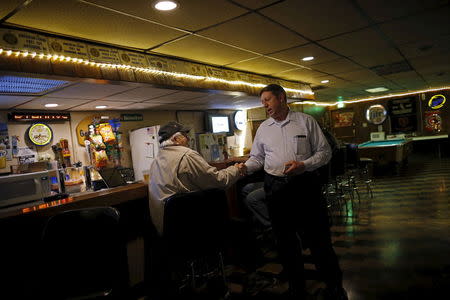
[[193, 283]]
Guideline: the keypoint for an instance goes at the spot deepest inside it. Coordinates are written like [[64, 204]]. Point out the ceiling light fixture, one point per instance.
[[377, 89], [51, 105], [165, 5], [101, 106], [308, 58], [325, 81]]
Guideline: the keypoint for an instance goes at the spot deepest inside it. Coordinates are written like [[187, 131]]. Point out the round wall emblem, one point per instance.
[[437, 101], [376, 114]]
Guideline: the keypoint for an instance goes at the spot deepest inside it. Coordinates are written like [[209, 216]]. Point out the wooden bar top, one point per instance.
[[106, 197]]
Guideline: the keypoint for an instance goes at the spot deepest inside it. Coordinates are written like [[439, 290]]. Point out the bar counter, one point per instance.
[[105, 197], [21, 229]]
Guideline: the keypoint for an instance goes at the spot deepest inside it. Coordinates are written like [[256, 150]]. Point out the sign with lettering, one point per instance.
[[404, 106], [131, 117], [32, 116], [437, 101], [68, 48], [21, 40], [133, 59], [376, 114], [104, 54]]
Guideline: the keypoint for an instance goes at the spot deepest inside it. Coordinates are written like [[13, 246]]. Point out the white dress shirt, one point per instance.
[[298, 138]]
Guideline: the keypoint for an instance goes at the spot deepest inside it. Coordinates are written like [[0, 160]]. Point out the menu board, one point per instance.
[[68, 48]]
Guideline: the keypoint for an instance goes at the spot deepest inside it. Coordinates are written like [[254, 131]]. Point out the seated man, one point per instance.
[[253, 196], [179, 169]]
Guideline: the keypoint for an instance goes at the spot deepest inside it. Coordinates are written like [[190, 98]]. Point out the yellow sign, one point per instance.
[[83, 128], [437, 101]]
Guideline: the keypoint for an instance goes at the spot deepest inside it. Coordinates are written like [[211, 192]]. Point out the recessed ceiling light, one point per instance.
[[165, 5], [377, 90], [325, 81], [308, 58], [51, 105], [101, 106]]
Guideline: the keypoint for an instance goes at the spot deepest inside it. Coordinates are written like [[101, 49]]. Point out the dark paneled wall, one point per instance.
[[360, 129]]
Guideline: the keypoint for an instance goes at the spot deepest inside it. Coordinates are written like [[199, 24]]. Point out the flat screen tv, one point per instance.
[[218, 123]]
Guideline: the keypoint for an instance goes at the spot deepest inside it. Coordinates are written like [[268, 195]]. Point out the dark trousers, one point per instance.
[[298, 212]]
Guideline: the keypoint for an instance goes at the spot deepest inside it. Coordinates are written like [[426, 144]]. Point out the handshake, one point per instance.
[[242, 168]]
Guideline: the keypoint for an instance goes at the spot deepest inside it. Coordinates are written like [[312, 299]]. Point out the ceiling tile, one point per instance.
[[90, 91], [63, 103], [111, 105], [360, 41], [316, 19], [376, 57], [8, 6], [74, 18], [426, 47], [177, 97], [333, 81], [300, 74], [204, 50], [246, 102], [428, 26], [202, 100], [191, 15], [336, 66], [262, 65], [255, 4], [139, 94], [383, 10], [403, 75], [437, 80], [143, 105], [296, 54], [362, 75], [431, 63], [7, 102], [250, 32]]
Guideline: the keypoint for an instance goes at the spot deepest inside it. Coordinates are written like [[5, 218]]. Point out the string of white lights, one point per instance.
[[56, 57]]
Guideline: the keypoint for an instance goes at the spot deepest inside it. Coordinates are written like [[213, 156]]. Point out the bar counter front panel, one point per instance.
[[21, 228]]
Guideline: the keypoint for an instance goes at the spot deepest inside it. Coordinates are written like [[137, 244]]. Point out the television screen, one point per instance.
[[220, 124]]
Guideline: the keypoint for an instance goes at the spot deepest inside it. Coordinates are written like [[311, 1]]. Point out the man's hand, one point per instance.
[[242, 168], [294, 167]]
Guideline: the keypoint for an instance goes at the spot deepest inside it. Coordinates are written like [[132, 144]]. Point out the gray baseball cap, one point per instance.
[[169, 129]]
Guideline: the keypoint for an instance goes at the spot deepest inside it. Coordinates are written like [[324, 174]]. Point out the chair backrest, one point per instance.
[[86, 253], [352, 155], [196, 223]]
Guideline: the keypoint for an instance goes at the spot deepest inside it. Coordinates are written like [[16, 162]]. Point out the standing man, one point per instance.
[[290, 146]]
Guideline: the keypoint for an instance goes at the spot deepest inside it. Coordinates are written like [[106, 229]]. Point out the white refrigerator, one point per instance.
[[144, 148]]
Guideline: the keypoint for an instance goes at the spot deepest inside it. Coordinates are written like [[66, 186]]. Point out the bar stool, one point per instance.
[[85, 255], [366, 166], [195, 229]]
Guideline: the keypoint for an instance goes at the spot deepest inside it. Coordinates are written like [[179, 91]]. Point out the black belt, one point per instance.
[[290, 178]]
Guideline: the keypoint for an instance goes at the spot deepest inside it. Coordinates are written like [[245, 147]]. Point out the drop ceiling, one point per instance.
[[349, 39]]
